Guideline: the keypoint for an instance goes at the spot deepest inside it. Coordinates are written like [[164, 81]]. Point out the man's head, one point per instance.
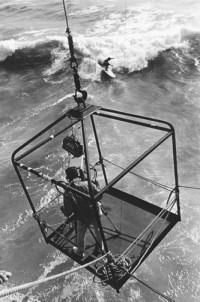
[[72, 173]]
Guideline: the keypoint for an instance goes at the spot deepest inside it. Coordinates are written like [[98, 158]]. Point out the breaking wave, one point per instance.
[[16, 53], [133, 43]]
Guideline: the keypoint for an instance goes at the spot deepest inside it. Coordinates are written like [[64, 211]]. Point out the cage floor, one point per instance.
[[126, 217]]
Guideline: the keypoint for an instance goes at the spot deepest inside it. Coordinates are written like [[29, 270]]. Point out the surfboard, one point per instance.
[[109, 73]]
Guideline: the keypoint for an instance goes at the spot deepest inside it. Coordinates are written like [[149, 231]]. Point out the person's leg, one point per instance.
[[81, 231]]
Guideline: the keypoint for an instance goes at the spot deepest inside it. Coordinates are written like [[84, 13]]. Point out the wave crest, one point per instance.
[[131, 46], [27, 53]]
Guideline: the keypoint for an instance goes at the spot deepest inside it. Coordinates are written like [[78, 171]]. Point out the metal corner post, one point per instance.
[[90, 184], [176, 173]]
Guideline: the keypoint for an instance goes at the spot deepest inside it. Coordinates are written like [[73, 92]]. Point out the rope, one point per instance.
[[139, 238], [115, 268], [188, 187], [40, 209], [121, 264], [153, 289], [156, 235], [130, 248], [12, 290], [64, 7], [120, 268], [125, 21], [142, 177], [74, 65]]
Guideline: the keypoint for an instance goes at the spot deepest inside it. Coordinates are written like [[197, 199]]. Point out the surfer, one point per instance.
[[84, 211], [106, 63], [4, 276]]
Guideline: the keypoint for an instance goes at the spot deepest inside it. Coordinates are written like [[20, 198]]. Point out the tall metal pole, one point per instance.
[[90, 185], [176, 174]]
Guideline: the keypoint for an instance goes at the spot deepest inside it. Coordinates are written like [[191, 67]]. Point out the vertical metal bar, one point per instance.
[[29, 198], [176, 173], [87, 164], [99, 150], [90, 185], [24, 188]]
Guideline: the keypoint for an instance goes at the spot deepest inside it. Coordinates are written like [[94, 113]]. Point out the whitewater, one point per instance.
[[156, 51]]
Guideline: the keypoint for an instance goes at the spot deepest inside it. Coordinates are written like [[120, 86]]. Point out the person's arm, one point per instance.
[[68, 207]]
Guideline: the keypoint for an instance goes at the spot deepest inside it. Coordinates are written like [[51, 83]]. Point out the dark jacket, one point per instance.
[[82, 207]]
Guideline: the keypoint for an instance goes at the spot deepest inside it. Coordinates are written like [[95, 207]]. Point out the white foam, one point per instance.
[[133, 39], [18, 222], [57, 258], [60, 56], [87, 11], [90, 69], [131, 52], [7, 48]]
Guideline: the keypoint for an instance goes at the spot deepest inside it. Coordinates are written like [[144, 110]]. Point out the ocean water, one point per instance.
[[156, 46]]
